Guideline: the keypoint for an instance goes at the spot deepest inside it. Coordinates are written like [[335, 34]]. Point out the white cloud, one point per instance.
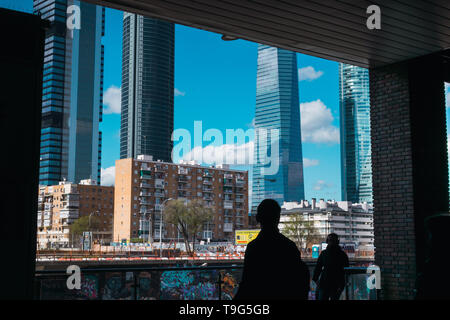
[[108, 176], [112, 99], [310, 162], [308, 73], [321, 184], [238, 154], [177, 93], [316, 123]]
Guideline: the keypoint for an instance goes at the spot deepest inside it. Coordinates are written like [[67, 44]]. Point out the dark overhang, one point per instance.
[[329, 29]]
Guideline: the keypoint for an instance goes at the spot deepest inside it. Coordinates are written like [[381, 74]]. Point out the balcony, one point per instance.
[[145, 185], [228, 176], [144, 201], [183, 171], [209, 204], [68, 214], [227, 182], [159, 183], [207, 181], [227, 227], [228, 204], [159, 169]]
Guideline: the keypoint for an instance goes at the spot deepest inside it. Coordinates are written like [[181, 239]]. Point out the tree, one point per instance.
[[188, 218], [300, 230], [82, 225], [198, 216]]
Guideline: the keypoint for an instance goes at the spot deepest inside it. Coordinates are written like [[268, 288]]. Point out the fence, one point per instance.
[[168, 283]]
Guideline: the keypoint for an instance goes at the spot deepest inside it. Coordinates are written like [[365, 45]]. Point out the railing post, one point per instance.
[[135, 285], [219, 283], [346, 286]]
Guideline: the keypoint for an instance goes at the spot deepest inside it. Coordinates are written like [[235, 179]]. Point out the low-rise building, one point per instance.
[[143, 186], [60, 205], [353, 222]]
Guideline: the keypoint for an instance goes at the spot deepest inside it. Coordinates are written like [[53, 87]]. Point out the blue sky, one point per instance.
[[215, 82]]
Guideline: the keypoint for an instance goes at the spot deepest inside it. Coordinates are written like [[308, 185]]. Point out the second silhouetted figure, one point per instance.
[[273, 268], [330, 267]]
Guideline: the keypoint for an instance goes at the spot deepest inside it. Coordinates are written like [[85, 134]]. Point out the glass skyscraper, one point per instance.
[[277, 107], [72, 92], [147, 87], [356, 164]]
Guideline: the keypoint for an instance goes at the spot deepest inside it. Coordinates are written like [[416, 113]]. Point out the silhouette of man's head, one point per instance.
[[333, 239], [268, 213]]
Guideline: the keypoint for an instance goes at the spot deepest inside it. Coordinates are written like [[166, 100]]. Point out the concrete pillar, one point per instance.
[[21, 66], [409, 166]]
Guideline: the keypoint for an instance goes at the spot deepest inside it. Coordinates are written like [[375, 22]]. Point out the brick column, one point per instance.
[[409, 166]]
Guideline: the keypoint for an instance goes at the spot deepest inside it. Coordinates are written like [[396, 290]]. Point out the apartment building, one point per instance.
[[143, 186], [60, 205], [353, 222]]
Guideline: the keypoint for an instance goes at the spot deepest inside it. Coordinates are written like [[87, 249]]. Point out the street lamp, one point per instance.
[[160, 225], [89, 227]]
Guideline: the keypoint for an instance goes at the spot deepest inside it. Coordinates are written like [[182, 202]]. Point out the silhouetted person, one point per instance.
[[434, 282], [330, 268], [273, 268]]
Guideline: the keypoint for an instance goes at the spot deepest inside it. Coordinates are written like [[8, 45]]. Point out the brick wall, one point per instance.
[[409, 167], [392, 181]]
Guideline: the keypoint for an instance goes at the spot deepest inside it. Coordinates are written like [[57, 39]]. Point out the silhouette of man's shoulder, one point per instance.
[[287, 242]]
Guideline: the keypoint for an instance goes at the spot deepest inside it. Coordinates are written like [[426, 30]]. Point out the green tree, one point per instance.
[[198, 216], [300, 230], [188, 218], [82, 224]]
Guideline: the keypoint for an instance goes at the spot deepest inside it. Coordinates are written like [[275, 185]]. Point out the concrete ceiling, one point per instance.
[[330, 29]]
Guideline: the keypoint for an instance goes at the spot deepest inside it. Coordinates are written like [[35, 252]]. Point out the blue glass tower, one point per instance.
[[277, 107], [147, 87], [72, 92], [356, 164]]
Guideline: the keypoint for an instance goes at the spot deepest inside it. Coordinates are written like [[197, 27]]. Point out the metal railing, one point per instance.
[[169, 283]]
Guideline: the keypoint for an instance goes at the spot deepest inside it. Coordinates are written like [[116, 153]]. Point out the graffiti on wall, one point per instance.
[[189, 285]]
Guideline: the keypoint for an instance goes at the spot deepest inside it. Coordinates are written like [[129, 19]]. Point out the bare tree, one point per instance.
[[188, 218], [300, 230]]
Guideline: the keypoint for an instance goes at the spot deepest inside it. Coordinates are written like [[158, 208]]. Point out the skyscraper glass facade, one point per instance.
[[147, 87], [277, 107], [72, 92], [356, 165]]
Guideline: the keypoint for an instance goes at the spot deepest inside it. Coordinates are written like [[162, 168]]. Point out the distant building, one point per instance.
[[72, 93], [148, 51], [277, 107], [60, 205], [142, 186], [353, 222], [356, 156]]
